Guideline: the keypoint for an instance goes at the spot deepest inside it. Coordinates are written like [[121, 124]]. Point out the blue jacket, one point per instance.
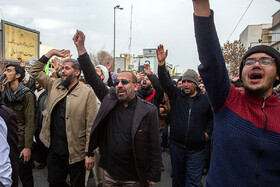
[[246, 138], [188, 124]]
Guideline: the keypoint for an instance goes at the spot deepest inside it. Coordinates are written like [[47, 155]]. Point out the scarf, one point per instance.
[[17, 95]]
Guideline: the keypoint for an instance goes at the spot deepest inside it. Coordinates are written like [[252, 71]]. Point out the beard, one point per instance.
[[69, 79], [127, 97]]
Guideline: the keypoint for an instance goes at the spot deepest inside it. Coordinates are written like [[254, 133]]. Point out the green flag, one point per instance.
[[47, 67]]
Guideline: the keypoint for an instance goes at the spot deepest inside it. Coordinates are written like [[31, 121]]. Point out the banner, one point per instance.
[[20, 42]]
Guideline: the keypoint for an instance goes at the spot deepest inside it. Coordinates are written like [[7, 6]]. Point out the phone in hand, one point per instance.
[[141, 69]]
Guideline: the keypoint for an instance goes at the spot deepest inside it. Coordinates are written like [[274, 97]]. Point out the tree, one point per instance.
[[101, 57], [233, 53]]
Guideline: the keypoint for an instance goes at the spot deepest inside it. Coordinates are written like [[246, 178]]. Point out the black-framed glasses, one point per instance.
[[123, 81], [264, 61]]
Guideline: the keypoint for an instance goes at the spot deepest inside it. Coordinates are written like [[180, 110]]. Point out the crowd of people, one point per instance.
[[118, 127]]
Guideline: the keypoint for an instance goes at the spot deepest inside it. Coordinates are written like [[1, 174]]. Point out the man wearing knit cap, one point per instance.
[[191, 122], [246, 147]]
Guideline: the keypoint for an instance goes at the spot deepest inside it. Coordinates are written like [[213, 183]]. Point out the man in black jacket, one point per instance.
[[125, 129], [191, 124]]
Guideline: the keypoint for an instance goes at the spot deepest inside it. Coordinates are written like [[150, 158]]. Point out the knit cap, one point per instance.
[[262, 49], [190, 75], [104, 72]]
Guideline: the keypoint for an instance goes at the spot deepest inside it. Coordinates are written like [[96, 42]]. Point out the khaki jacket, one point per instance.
[[81, 110]]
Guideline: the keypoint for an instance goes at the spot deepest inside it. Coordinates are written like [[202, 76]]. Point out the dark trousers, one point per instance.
[[187, 166], [59, 168], [25, 172]]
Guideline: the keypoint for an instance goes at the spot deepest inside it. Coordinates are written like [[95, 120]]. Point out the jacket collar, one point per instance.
[[272, 100]]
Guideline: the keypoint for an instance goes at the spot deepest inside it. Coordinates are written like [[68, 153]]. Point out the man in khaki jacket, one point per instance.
[[70, 112]]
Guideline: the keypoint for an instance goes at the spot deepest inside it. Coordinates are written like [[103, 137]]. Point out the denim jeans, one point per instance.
[[187, 166]]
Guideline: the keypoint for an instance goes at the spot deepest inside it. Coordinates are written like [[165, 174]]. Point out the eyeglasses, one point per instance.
[[123, 81], [264, 62]]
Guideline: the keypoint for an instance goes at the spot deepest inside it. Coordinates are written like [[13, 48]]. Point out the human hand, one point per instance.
[[4, 82], [108, 66], [201, 8], [206, 135], [68, 55], [58, 53], [140, 76], [26, 153], [161, 55], [21, 62], [151, 182], [79, 41], [56, 64], [89, 162], [161, 110], [147, 69]]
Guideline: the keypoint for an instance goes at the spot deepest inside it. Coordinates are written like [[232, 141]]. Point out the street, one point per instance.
[[40, 176]]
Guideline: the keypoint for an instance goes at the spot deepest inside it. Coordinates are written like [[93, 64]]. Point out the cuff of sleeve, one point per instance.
[[44, 59], [89, 154], [83, 56]]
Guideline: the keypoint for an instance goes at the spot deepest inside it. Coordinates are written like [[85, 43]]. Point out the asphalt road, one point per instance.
[[40, 176]]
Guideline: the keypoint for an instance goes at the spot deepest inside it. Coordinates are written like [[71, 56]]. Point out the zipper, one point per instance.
[[188, 125], [257, 177]]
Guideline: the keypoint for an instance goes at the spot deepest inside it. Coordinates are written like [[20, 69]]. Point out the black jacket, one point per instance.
[[188, 123], [145, 133]]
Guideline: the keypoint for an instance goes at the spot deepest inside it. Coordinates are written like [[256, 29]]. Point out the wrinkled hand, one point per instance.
[[56, 64], [147, 69], [151, 182], [58, 53], [161, 55], [89, 162], [79, 41], [108, 66], [140, 76], [26, 152]]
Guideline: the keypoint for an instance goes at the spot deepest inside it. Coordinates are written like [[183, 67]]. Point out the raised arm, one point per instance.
[[212, 68], [37, 69], [163, 75], [88, 68]]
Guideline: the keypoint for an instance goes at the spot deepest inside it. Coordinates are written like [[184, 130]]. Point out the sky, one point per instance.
[[154, 22]]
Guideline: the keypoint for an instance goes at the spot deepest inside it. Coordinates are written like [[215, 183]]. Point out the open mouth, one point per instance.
[[121, 92], [256, 76]]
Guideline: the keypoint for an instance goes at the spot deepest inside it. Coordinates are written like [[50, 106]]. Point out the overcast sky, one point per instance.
[[167, 22]]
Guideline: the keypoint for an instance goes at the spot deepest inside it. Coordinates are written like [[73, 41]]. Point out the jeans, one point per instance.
[[187, 166]]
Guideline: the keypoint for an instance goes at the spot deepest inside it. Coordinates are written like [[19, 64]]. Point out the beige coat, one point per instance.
[[81, 110]]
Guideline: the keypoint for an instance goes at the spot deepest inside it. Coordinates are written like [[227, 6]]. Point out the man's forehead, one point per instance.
[[11, 67], [259, 55], [67, 64], [125, 75]]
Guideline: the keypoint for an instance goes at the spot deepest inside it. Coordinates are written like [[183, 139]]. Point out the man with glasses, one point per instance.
[[125, 129], [246, 136]]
